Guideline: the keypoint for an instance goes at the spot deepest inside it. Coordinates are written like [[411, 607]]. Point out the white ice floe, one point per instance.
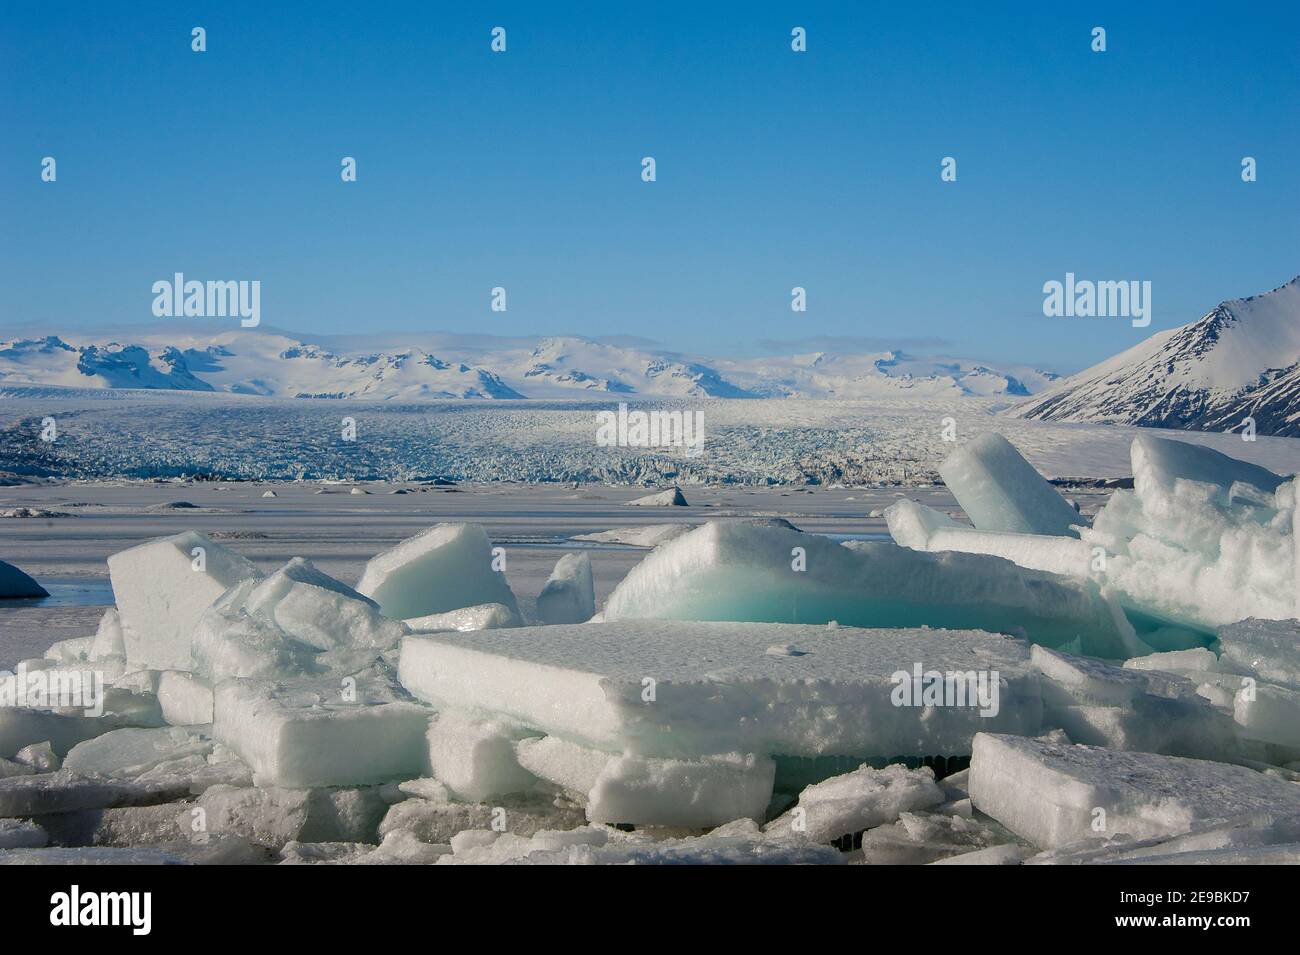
[[673, 497], [1007, 854], [695, 793], [1269, 714], [914, 525], [21, 726], [66, 791], [1268, 649], [438, 820], [296, 621], [329, 731], [1127, 708], [162, 588], [319, 611], [646, 535], [922, 838], [1000, 491], [1053, 794], [475, 758], [447, 567], [185, 699], [569, 596], [1190, 551], [273, 817], [682, 690], [130, 753]]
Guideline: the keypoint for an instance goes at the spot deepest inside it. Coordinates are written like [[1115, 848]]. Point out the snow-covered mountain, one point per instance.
[[1241, 360], [266, 362]]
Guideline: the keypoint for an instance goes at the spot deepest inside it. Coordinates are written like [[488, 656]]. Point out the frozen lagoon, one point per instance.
[[731, 783], [340, 531]]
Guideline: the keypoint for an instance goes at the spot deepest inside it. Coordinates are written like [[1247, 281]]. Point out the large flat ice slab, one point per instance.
[[1054, 794], [738, 571], [678, 689], [162, 588], [1000, 491]]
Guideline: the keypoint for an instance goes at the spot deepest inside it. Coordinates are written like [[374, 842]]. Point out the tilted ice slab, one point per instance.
[[480, 617], [229, 642], [315, 609], [1127, 708], [569, 595], [914, 525], [854, 801], [1269, 649], [1158, 463], [162, 588], [66, 791], [329, 731], [128, 753], [16, 584], [1000, 491], [64, 728], [296, 621], [447, 567], [1270, 714], [738, 571], [1053, 794], [679, 689]]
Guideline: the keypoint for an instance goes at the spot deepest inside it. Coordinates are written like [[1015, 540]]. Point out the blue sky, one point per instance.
[[775, 169]]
